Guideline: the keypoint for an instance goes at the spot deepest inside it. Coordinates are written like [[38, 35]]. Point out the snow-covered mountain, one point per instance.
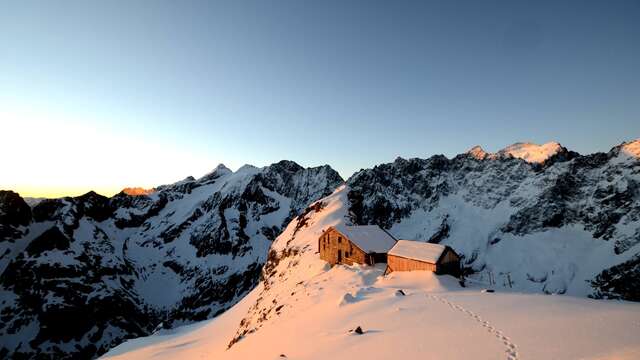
[[562, 224], [304, 309], [79, 275], [527, 151], [550, 221], [537, 219]]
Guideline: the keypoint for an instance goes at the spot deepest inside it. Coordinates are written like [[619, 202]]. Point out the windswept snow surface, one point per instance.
[[304, 309]]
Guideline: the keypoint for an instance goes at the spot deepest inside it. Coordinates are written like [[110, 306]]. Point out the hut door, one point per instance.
[[339, 255]]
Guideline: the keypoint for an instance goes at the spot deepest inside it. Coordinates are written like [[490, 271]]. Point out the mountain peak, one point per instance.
[[217, 172], [221, 167], [286, 165], [530, 152], [137, 191], [527, 151], [477, 152], [247, 168], [631, 148]]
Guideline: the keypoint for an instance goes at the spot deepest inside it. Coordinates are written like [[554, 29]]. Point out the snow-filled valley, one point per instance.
[[304, 309]]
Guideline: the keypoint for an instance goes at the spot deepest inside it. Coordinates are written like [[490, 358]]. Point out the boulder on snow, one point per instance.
[[400, 292]]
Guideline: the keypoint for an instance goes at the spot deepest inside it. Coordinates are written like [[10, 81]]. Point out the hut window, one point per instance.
[[339, 239]]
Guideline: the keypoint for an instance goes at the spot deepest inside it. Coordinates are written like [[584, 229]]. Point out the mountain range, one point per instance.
[[80, 275]]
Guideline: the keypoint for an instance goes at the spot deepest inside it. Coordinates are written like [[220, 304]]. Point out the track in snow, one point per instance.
[[511, 348]]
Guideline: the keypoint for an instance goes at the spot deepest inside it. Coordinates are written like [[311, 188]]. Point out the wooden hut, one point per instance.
[[407, 255], [361, 244]]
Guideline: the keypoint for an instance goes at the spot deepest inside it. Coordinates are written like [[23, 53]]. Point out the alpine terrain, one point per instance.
[[81, 274], [304, 309]]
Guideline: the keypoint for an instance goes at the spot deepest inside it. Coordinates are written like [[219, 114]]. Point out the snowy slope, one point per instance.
[[79, 275], [303, 309]]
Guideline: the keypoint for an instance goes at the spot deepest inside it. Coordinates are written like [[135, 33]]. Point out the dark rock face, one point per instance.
[[14, 210], [79, 275], [619, 282], [47, 209], [94, 206], [441, 233], [14, 213], [52, 239], [549, 215]]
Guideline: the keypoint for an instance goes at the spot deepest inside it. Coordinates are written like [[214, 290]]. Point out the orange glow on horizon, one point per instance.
[[54, 192], [49, 155]]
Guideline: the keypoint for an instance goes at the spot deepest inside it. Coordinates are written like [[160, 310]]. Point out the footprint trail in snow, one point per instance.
[[511, 348]]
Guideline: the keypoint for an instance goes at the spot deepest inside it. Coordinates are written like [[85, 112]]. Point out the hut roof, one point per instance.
[[418, 250], [369, 238]]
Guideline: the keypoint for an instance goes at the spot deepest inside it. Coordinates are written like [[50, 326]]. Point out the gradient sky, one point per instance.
[[102, 95]]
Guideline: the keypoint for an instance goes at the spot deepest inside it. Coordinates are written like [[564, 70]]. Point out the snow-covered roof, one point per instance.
[[418, 250], [369, 238]]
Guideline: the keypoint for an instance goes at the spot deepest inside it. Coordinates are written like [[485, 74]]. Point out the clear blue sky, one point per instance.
[[184, 85]]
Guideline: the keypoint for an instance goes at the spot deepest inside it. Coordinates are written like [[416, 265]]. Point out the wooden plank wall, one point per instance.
[[449, 264], [329, 247], [397, 263], [449, 257]]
